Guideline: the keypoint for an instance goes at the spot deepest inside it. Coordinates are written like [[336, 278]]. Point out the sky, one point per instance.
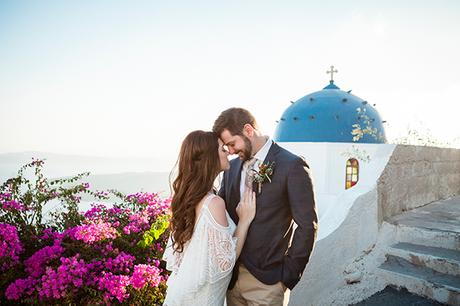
[[133, 78]]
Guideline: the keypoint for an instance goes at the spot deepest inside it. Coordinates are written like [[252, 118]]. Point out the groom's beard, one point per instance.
[[247, 149]]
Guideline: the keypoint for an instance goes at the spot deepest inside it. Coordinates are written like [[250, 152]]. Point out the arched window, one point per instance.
[[351, 173]]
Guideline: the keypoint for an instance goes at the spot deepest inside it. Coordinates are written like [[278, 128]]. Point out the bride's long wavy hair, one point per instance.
[[197, 167]]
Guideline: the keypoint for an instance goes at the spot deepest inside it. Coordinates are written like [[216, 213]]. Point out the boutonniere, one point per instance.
[[263, 175]]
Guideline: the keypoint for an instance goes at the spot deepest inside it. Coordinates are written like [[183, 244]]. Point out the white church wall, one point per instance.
[[343, 268], [328, 163], [316, 158], [325, 274]]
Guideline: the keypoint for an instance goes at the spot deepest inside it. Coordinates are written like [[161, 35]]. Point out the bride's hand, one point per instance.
[[246, 209]]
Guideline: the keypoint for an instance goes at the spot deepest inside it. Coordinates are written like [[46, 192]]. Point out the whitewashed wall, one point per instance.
[[328, 163]]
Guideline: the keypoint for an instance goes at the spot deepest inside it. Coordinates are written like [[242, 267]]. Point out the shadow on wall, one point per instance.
[[324, 273]]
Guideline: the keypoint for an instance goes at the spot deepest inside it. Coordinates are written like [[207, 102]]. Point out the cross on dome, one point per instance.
[[332, 71]]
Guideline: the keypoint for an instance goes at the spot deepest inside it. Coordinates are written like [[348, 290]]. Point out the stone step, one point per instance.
[[436, 224], [421, 280], [439, 259], [428, 236], [394, 297]]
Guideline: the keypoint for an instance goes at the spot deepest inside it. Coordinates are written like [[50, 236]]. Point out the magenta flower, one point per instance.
[[35, 264], [7, 202], [18, 287], [13, 205], [94, 211], [154, 206], [96, 256], [145, 274], [122, 263], [10, 246], [114, 285], [57, 283], [97, 231], [49, 233]]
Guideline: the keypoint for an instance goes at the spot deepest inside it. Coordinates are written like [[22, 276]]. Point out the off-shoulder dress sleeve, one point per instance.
[[207, 258]]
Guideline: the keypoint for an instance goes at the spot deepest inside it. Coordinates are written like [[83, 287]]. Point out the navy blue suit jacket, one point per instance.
[[268, 253]]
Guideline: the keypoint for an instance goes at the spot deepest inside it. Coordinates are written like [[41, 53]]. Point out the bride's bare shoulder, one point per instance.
[[217, 209]]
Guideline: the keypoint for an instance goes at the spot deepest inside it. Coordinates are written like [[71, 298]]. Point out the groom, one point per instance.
[[274, 255]]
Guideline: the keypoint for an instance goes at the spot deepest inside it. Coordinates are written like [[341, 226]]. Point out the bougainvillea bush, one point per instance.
[[107, 255]]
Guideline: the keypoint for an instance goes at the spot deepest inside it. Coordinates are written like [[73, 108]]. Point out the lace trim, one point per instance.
[[209, 256]]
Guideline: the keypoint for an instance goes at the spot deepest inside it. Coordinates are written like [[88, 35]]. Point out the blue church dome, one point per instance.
[[330, 115]]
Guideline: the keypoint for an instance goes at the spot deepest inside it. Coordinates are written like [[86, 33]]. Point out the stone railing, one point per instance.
[[416, 176]]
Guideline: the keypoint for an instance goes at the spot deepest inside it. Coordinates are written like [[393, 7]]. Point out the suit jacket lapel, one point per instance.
[[235, 182], [235, 176], [271, 157]]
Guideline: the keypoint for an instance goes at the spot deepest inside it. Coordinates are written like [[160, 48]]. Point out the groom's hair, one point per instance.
[[234, 119]]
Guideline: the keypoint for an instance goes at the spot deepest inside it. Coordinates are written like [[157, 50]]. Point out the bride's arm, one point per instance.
[[246, 211], [217, 209]]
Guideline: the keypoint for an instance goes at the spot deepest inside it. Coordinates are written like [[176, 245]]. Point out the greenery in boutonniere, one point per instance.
[[263, 175]]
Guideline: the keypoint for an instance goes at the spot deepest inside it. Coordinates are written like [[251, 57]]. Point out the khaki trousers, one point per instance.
[[249, 291]]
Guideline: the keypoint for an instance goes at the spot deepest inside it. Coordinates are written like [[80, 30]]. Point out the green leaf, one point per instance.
[[160, 225]]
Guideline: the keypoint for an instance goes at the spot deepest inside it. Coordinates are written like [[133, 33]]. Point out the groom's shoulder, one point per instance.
[[289, 157]]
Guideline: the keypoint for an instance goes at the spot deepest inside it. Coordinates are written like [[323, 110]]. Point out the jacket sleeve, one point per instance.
[[302, 203]]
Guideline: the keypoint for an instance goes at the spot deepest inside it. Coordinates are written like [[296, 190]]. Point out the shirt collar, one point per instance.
[[262, 153]]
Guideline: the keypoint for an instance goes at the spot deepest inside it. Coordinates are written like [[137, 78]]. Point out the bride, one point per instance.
[[204, 242]]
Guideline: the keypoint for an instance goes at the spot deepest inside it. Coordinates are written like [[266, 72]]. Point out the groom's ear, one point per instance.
[[248, 130]]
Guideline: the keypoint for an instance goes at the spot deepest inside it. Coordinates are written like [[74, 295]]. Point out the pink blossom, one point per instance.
[[97, 231], [153, 207], [94, 211], [13, 205], [10, 246], [114, 285], [122, 263], [8, 203], [56, 283], [49, 233], [16, 289], [5, 196], [106, 265], [145, 274], [35, 264]]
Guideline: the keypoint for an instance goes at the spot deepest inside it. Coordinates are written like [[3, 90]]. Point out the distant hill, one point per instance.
[[128, 175], [131, 182], [58, 165]]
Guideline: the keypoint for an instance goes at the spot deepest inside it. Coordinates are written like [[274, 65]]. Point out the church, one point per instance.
[[389, 215]]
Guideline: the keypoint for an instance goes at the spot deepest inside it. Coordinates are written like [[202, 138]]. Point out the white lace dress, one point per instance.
[[201, 273]]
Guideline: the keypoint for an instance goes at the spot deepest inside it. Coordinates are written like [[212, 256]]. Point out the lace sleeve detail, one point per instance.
[[221, 250], [208, 258], [173, 259]]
